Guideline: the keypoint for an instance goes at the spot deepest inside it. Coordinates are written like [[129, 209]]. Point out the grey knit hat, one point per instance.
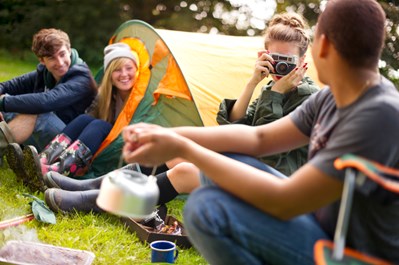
[[118, 50]]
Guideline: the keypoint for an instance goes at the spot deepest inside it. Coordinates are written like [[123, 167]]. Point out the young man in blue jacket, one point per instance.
[[36, 106]]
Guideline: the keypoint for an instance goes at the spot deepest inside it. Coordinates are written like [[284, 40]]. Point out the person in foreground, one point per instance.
[[244, 215]]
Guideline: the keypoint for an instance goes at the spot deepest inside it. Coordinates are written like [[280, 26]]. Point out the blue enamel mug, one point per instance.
[[163, 251]]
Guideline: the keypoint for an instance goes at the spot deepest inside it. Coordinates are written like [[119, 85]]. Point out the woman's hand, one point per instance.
[[151, 145], [290, 81], [263, 66]]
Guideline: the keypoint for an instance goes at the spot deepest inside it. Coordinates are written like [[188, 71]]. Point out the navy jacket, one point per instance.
[[29, 94]]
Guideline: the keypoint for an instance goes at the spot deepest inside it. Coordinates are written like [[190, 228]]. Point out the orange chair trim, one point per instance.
[[368, 168], [322, 243]]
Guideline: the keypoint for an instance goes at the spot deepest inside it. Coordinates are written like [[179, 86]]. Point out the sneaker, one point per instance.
[[14, 158], [32, 166], [5, 138]]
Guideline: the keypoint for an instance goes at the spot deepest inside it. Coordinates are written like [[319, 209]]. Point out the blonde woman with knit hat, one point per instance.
[[70, 152]]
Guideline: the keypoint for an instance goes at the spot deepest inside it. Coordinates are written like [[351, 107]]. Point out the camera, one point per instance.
[[283, 64]]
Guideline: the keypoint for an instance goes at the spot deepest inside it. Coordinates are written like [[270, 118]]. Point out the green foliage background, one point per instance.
[[91, 23]]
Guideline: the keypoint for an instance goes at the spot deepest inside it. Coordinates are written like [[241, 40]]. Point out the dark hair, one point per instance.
[[46, 42], [288, 27], [356, 29]]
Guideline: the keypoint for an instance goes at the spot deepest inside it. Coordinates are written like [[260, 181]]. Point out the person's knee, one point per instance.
[[184, 177], [85, 118], [184, 169], [22, 126], [101, 126], [24, 120]]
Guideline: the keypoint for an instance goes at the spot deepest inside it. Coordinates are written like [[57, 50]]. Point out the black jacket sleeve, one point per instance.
[[20, 85], [72, 88]]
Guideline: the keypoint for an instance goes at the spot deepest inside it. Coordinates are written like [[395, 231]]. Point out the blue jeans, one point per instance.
[[47, 126], [226, 230]]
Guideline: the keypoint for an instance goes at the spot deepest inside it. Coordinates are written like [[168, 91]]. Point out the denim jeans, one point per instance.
[[47, 126], [226, 230]]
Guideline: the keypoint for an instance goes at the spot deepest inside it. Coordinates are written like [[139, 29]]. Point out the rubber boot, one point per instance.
[[54, 149], [64, 201], [5, 139], [53, 179], [14, 158], [73, 162]]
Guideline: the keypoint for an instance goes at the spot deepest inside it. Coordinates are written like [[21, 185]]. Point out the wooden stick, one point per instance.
[[16, 221]]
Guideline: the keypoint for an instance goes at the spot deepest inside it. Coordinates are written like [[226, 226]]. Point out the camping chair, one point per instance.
[[370, 177]]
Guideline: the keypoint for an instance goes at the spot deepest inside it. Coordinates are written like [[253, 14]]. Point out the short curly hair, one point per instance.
[[361, 24], [46, 42]]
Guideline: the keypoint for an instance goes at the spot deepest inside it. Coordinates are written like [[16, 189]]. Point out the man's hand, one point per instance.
[[151, 145]]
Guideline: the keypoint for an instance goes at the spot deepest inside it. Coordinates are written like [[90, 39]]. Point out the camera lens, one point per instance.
[[282, 68]]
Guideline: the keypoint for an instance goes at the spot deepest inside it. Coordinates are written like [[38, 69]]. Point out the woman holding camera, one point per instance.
[[286, 42]]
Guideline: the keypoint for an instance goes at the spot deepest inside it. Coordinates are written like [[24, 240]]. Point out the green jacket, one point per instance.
[[271, 106]]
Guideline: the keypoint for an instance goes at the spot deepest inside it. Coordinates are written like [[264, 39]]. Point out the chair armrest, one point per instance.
[[386, 177]]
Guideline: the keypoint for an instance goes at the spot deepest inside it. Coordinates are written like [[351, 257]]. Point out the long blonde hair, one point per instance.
[[288, 27], [107, 92]]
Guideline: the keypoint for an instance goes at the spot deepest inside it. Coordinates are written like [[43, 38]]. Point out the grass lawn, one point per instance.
[[102, 234]]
